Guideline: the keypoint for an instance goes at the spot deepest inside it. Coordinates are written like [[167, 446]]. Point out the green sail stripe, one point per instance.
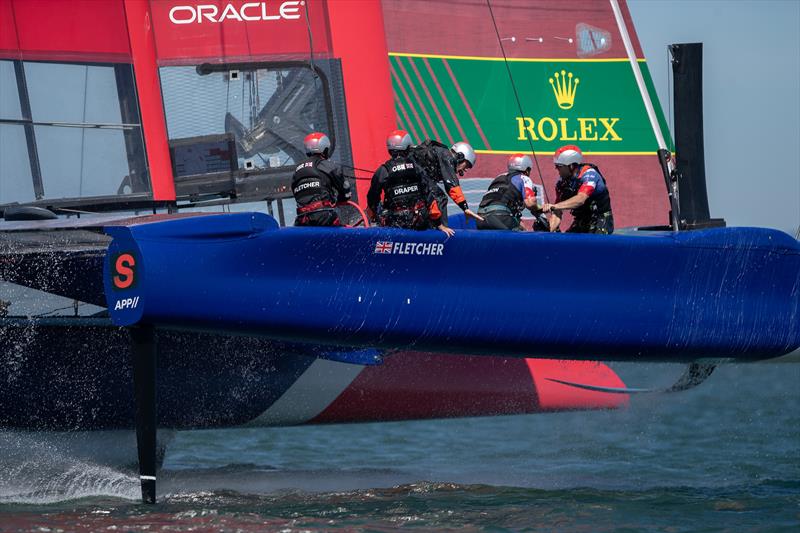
[[417, 95], [403, 95], [662, 122], [603, 112], [403, 116], [439, 70], [440, 85], [440, 113]]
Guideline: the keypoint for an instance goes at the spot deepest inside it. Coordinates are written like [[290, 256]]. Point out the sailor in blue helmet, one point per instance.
[[443, 166], [508, 195], [408, 197], [582, 188], [318, 184]]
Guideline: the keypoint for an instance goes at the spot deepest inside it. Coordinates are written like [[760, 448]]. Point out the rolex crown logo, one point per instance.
[[564, 87]]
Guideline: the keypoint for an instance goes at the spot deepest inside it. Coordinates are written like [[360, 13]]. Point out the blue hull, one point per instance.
[[717, 293]]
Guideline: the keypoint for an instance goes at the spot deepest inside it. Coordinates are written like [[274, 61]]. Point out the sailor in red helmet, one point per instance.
[[508, 195], [408, 197], [581, 188], [318, 184]]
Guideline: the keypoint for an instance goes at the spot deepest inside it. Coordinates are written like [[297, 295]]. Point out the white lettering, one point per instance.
[[210, 17], [306, 186], [177, 9], [245, 7], [409, 248], [229, 13], [290, 11], [402, 166], [406, 190], [248, 12], [264, 15], [126, 303]]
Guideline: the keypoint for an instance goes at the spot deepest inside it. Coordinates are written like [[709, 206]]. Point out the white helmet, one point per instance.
[[317, 143], [465, 151], [566, 155], [398, 140], [520, 162]]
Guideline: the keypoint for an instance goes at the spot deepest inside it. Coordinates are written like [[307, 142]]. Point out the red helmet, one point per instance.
[[317, 143], [398, 140], [566, 155], [520, 162]]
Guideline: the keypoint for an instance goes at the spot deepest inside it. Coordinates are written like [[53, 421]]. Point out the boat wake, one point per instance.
[[35, 469]]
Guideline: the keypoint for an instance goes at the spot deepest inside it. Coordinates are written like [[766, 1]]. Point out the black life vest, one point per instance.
[[427, 155], [502, 192], [311, 187], [597, 203], [403, 188]]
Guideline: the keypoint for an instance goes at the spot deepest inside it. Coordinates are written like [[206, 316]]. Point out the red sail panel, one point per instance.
[[221, 31], [64, 31], [154, 127], [9, 43], [368, 89], [464, 28]]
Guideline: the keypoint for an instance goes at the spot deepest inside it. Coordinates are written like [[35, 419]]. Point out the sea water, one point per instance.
[[723, 456]]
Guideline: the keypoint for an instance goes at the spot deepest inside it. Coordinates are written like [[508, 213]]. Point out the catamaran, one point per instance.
[[112, 109]]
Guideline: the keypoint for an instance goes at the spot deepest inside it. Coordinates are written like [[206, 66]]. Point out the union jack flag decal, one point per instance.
[[383, 247]]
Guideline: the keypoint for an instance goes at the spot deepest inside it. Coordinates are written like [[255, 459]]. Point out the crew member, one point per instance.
[[408, 198], [441, 164], [581, 188], [318, 184], [509, 193]]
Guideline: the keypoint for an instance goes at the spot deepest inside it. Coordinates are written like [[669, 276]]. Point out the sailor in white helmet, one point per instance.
[[508, 195], [582, 188], [408, 198], [318, 184], [443, 165]]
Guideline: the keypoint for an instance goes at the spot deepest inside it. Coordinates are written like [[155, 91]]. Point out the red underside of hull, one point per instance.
[[423, 385]]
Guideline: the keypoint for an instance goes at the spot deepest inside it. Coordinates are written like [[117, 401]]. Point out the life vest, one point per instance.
[[427, 155], [598, 203], [403, 188], [311, 187], [502, 192]]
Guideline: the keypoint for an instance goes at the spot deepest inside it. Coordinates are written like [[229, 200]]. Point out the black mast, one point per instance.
[[687, 68]]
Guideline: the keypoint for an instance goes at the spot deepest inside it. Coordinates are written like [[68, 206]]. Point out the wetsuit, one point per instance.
[[408, 199], [318, 185], [502, 205], [595, 215], [439, 163]]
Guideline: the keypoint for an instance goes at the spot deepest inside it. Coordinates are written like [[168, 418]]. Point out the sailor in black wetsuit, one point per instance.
[[509, 193], [443, 165], [582, 189], [408, 197], [318, 184]]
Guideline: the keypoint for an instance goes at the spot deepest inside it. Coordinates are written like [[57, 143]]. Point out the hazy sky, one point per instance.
[[751, 76]]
